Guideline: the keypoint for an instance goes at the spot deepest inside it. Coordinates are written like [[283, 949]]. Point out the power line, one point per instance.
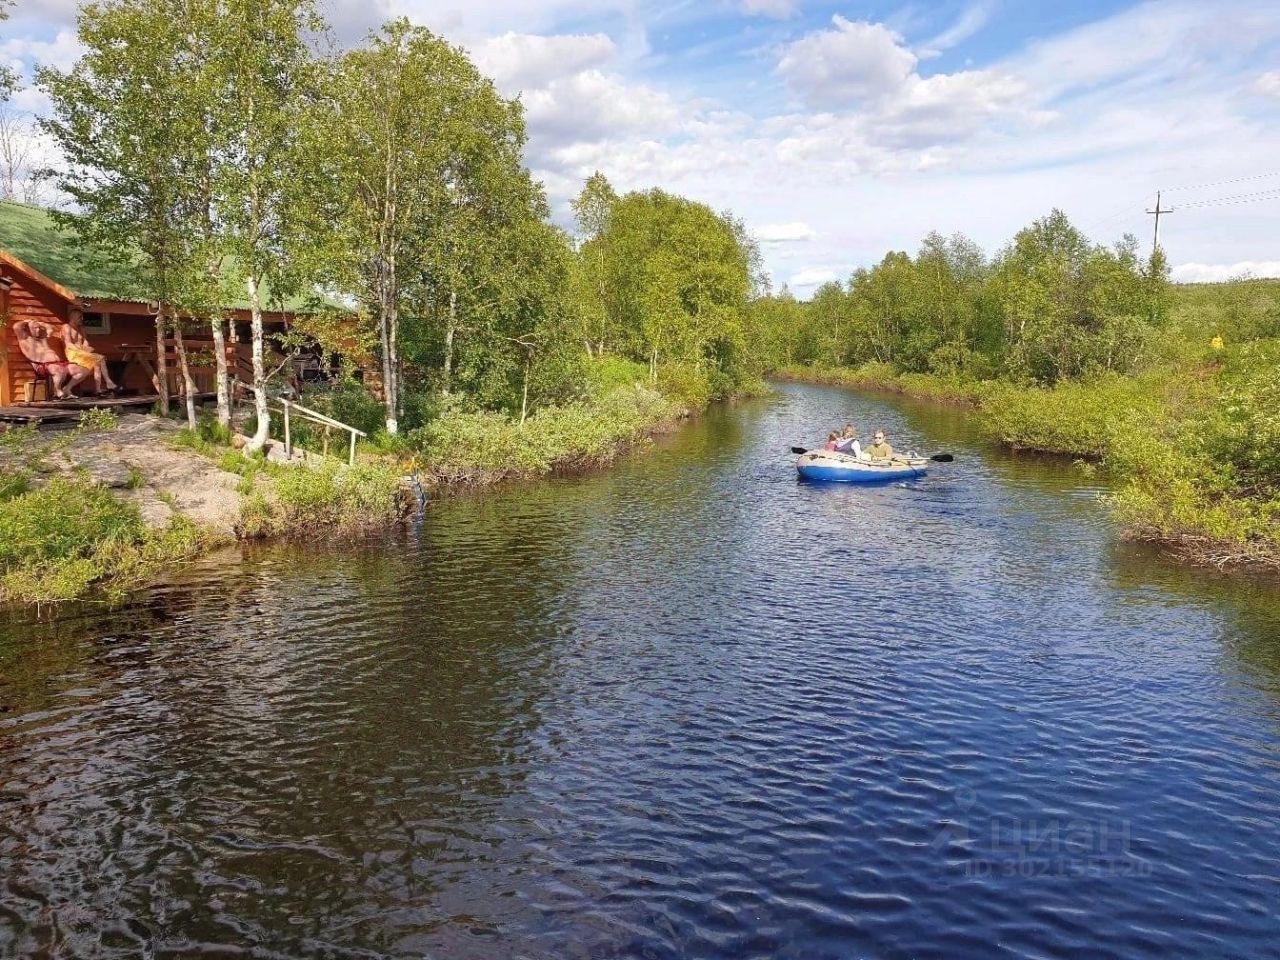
[[1219, 183], [1235, 198]]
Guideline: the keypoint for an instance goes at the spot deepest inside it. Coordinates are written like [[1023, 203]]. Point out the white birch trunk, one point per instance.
[[188, 383], [162, 372], [221, 380], [259, 438]]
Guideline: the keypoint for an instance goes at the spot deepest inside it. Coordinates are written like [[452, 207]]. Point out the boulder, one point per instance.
[[110, 473]]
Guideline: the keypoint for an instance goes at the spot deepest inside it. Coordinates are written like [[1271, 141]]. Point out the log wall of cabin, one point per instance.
[[26, 300]]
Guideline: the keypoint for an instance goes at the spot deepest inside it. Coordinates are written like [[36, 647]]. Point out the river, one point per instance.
[[687, 707]]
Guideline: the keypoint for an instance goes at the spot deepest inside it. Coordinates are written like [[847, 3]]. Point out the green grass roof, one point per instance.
[[34, 237], [31, 235]]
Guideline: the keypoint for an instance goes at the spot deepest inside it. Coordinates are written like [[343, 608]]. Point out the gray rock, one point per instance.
[[110, 474]]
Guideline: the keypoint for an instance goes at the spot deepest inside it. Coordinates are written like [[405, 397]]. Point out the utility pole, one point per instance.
[[1156, 212]]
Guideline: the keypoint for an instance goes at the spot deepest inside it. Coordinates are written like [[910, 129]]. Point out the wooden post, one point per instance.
[[351, 461], [288, 436]]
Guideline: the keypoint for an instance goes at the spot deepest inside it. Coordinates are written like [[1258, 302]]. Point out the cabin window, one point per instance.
[[99, 323]]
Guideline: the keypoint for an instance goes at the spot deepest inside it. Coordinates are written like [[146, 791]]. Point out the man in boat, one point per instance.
[[81, 353], [34, 342], [880, 449]]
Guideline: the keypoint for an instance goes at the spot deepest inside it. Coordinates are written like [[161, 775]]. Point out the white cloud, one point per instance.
[[841, 67], [971, 20], [517, 61], [1221, 272], [591, 105], [812, 277], [26, 53], [1268, 83], [866, 79], [795, 232], [778, 9]]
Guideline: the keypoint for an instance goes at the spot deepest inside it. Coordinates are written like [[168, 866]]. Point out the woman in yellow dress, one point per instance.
[[81, 353]]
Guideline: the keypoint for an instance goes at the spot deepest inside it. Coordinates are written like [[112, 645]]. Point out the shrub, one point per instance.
[[1078, 418], [100, 544], [325, 499], [478, 447]]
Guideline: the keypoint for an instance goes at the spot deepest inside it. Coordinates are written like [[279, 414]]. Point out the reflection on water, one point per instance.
[[689, 707]]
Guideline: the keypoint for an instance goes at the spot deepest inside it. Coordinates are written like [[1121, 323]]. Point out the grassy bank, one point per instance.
[[64, 535], [83, 516], [476, 448]]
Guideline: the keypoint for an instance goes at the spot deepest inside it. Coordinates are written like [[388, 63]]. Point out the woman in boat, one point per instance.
[[833, 440], [848, 442]]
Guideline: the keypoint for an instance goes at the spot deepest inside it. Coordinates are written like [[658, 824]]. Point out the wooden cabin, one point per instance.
[[46, 273]]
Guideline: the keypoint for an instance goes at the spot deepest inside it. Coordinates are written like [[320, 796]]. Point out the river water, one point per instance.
[[687, 707]]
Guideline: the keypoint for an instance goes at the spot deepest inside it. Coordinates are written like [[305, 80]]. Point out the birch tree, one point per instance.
[[426, 158], [265, 73], [131, 119]]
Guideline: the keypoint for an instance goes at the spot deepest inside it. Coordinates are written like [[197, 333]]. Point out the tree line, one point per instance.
[[231, 152], [1049, 306]]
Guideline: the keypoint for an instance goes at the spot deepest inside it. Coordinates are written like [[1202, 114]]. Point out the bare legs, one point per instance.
[[65, 379]]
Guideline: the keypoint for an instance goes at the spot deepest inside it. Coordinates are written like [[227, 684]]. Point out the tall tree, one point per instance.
[[593, 209], [265, 76], [428, 193], [130, 118]]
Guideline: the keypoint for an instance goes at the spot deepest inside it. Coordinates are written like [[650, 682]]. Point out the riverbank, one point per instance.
[[107, 507], [482, 448], [1187, 444]]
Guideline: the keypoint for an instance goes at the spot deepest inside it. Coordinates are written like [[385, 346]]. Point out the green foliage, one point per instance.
[[323, 500], [347, 402], [610, 372], [663, 280], [1082, 418], [486, 446], [1051, 306], [72, 536], [99, 421]]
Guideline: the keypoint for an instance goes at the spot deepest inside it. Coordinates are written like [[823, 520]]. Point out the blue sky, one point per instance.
[[839, 131]]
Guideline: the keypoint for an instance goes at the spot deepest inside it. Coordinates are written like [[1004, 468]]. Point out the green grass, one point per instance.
[[483, 447], [323, 500], [72, 538]]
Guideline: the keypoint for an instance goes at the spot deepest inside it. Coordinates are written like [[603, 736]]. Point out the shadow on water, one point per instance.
[[684, 707]]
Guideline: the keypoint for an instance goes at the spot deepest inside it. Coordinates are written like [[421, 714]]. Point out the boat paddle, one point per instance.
[[936, 458]]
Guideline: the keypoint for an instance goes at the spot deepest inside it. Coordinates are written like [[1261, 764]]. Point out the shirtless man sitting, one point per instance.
[[81, 353], [33, 341]]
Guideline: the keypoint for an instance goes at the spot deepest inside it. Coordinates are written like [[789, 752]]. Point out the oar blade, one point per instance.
[[798, 450], [943, 458]]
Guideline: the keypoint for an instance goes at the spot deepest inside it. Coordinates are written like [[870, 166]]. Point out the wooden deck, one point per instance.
[[52, 411]]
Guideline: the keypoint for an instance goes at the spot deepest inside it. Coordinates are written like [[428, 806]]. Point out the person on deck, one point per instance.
[[880, 449], [833, 439], [34, 342], [81, 353], [848, 442]]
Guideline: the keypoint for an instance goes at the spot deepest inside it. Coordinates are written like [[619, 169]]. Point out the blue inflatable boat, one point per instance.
[[844, 468]]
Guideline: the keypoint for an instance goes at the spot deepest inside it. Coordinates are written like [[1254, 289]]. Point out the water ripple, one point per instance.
[[688, 708]]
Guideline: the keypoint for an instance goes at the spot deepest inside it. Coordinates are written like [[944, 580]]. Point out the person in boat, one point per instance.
[[34, 341], [848, 442], [81, 353], [833, 441], [880, 448]]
